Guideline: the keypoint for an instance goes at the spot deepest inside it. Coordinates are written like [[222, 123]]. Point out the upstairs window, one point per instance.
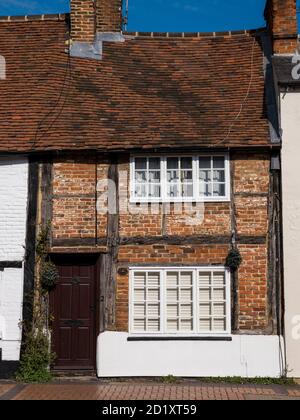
[[180, 178]]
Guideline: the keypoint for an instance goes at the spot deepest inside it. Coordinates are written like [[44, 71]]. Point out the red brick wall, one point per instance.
[[109, 15], [74, 217], [282, 19], [82, 20]]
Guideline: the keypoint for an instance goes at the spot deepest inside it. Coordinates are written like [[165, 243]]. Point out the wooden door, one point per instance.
[[73, 307]]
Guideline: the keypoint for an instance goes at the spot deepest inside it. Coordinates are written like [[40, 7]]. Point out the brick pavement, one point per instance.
[[145, 391]]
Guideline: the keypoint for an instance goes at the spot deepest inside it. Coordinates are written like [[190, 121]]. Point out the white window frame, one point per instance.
[[163, 170], [196, 317]]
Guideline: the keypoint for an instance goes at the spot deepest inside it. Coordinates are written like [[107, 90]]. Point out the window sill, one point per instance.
[[191, 201], [188, 338]]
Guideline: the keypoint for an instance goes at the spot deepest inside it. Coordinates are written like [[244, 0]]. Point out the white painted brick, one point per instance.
[[13, 215]]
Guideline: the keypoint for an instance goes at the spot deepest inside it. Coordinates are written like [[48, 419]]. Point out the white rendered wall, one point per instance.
[[13, 212], [245, 355], [290, 120]]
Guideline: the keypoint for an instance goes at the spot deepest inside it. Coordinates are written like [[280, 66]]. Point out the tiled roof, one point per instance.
[[154, 90]]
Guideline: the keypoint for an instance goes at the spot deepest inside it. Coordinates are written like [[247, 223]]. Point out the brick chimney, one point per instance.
[[281, 17], [89, 17]]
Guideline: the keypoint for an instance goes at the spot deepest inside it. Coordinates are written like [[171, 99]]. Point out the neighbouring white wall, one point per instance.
[[245, 356], [13, 214], [290, 120]]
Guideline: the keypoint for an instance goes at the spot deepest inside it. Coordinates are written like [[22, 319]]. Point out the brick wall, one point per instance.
[[74, 217], [109, 15], [282, 19], [82, 20], [90, 16]]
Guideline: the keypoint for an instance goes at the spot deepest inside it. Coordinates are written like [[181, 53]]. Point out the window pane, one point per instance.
[[139, 295], [205, 325], [173, 163], [186, 311], [172, 325], [140, 310], [186, 163], [154, 190], [218, 279], [153, 325], [187, 190], [153, 295], [219, 309], [153, 311], [186, 176], [172, 279], [219, 325], [205, 176], [219, 162], [139, 325], [153, 279], [186, 279], [140, 279], [205, 309], [154, 163], [173, 190], [219, 176], [219, 190], [186, 325], [204, 162], [140, 163], [205, 189], [141, 176], [141, 190], [172, 311]]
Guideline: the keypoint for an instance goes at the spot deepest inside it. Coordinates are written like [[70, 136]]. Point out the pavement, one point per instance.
[[96, 390]]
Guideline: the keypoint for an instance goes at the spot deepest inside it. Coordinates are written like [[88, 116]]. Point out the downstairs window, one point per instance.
[[185, 301]]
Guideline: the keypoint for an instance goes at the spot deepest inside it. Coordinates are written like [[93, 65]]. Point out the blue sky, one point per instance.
[[165, 15]]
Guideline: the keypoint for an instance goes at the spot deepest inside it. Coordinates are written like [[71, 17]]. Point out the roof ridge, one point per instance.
[[194, 34], [34, 18]]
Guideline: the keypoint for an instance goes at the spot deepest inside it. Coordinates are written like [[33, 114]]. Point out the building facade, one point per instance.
[[154, 165]]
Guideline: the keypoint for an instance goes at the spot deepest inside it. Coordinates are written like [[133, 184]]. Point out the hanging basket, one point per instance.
[[49, 275], [234, 259]]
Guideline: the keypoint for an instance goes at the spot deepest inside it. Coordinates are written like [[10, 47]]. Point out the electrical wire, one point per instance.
[[44, 130], [245, 98]]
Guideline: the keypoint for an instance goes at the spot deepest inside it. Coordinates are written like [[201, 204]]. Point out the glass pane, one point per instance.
[[173, 190], [205, 176], [204, 279], [186, 279], [140, 279], [153, 295], [141, 190], [219, 162], [140, 163], [173, 176], [186, 176], [219, 294], [187, 190], [154, 163], [205, 325], [205, 309], [205, 189], [154, 190], [172, 311], [219, 190], [219, 176], [219, 325], [186, 163], [172, 279], [219, 309], [153, 311], [141, 176], [218, 279], [139, 325], [205, 295], [186, 311], [153, 279], [153, 325], [186, 325], [154, 176], [139, 295], [172, 163], [204, 162], [186, 295], [172, 295], [172, 325], [139, 310]]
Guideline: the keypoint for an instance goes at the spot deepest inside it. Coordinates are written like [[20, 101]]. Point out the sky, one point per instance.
[[165, 15]]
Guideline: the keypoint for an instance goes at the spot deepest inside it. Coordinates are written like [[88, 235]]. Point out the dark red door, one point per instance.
[[73, 307]]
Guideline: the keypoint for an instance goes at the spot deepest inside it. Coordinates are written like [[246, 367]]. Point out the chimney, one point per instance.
[[83, 20], [281, 17], [109, 15], [94, 22]]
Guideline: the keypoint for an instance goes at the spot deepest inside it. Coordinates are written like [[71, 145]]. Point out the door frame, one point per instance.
[[62, 259]]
